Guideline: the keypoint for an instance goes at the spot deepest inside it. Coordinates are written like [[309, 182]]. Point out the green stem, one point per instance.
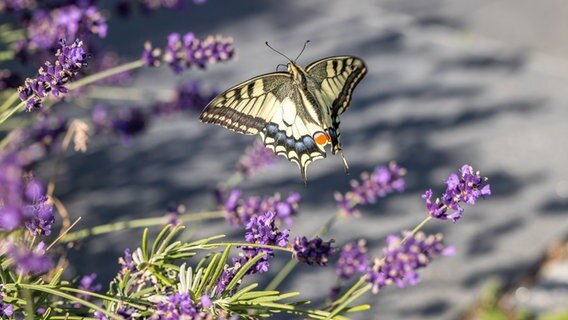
[[8, 102], [29, 306], [352, 298], [244, 244], [5, 115], [62, 295], [138, 223], [106, 73]]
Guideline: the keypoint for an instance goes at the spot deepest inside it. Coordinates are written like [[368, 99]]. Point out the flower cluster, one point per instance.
[[260, 230], [52, 79], [352, 259], [189, 97], [178, 306], [39, 216], [17, 5], [403, 256], [29, 261], [381, 182], [315, 251], [256, 158], [239, 211], [466, 187], [6, 310], [87, 283], [189, 51], [69, 22], [128, 122]]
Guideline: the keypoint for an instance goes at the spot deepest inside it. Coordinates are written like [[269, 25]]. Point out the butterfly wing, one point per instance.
[[337, 77], [247, 107], [294, 132], [271, 105]]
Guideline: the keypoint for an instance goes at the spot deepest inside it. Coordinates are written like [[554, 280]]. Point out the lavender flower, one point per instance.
[[239, 211], [47, 129], [129, 122], [87, 283], [126, 262], [383, 181], [151, 55], [188, 98], [178, 306], [68, 22], [17, 5], [466, 187], [172, 215], [190, 51], [40, 217], [256, 158], [352, 259], [6, 309], [402, 259], [315, 251], [52, 79], [29, 262], [262, 230]]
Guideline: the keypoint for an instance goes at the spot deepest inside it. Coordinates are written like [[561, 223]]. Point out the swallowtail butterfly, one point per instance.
[[296, 113]]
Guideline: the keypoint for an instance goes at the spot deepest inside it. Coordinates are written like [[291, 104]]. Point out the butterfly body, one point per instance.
[[296, 113]]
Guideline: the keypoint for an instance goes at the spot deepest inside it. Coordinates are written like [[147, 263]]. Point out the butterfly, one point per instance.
[[296, 113]]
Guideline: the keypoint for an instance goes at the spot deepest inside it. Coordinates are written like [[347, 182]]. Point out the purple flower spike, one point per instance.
[[68, 22], [401, 260], [6, 310], [151, 55], [30, 262], [381, 182], [256, 158], [190, 51], [53, 77], [466, 187], [315, 251], [352, 259], [239, 211], [87, 283], [262, 230], [40, 217], [178, 306]]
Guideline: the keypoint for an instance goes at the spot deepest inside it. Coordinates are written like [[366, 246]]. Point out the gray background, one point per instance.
[[449, 82]]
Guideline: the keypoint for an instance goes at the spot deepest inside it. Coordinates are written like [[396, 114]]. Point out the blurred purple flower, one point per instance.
[[47, 129], [190, 51], [172, 214], [466, 187], [260, 230], [352, 259], [6, 309], [126, 262], [188, 97], [205, 301], [239, 211], [256, 158], [40, 217], [87, 283], [69, 22], [129, 122], [52, 79], [178, 306], [17, 5], [29, 262], [150, 55], [402, 259], [383, 181], [315, 251]]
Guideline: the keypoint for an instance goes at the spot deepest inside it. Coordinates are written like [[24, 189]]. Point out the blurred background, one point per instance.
[[449, 82]]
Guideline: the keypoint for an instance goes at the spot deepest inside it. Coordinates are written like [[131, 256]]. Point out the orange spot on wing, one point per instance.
[[322, 138]]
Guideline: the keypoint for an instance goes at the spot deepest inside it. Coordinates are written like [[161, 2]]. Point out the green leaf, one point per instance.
[[159, 238], [207, 273], [244, 269], [145, 244], [220, 266]]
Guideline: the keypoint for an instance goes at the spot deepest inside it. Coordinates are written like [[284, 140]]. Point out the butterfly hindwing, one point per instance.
[[291, 132], [337, 77], [247, 107]]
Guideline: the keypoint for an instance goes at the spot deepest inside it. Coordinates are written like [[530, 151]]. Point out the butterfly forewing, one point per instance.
[[246, 107]]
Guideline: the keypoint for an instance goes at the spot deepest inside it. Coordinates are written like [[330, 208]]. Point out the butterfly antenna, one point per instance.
[[304, 48], [280, 65], [280, 53]]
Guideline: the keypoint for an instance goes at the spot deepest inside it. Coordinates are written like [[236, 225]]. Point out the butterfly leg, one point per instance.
[[336, 147]]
